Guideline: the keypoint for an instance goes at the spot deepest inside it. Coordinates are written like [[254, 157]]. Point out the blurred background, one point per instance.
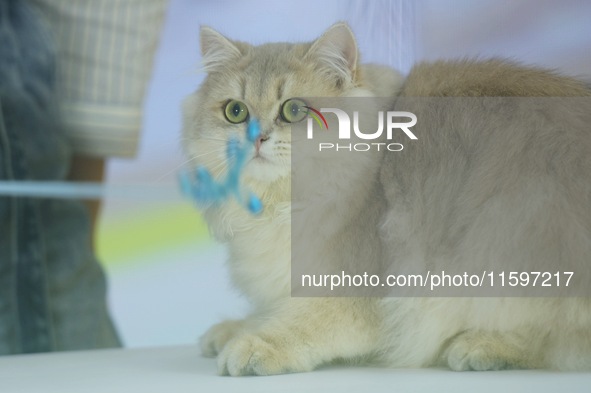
[[167, 278]]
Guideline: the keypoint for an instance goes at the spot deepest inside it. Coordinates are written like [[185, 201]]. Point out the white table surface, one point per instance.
[[181, 369]]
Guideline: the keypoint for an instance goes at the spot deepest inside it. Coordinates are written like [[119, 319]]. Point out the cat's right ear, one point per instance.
[[336, 52], [216, 50]]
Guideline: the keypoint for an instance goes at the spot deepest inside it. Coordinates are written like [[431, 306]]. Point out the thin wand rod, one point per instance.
[[85, 190]]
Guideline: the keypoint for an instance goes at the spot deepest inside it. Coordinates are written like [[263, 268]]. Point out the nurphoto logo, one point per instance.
[[344, 133]]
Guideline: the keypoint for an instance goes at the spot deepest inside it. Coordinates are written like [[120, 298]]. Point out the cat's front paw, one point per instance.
[[250, 354], [213, 341], [476, 351], [464, 358]]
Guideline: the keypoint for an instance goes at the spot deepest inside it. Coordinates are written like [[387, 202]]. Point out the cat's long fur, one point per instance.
[[285, 334]]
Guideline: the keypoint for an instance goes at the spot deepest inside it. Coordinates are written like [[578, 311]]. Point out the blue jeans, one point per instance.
[[52, 289]]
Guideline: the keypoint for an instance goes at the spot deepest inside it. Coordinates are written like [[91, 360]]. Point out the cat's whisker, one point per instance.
[[218, 169], [212, 138], [217, 151], [176, 168], [185, 163]]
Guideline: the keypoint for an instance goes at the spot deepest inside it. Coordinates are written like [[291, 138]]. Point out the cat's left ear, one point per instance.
[[336, 52]]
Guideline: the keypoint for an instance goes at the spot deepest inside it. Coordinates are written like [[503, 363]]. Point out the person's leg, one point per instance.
[[53, 291]]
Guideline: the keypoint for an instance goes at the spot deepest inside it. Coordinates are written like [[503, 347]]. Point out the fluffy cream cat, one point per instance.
[[404, 200]]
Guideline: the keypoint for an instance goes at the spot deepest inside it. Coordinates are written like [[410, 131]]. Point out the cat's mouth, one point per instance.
[[260, 158]]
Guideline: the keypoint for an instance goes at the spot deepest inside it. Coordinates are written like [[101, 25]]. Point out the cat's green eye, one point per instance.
[[293, 110], [236, 111]]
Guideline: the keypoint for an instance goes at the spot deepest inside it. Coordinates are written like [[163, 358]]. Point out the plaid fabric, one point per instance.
[[105, 53]]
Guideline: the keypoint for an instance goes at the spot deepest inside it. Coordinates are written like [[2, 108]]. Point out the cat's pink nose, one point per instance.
[[259, 141]]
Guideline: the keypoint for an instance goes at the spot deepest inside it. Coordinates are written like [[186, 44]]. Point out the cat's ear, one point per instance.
[[216, 50], [336, 52]]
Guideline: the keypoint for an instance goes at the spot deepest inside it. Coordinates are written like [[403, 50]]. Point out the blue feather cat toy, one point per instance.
[[205, 190]]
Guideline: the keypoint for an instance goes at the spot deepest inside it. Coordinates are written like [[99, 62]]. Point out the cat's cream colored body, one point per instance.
[[292, 334]]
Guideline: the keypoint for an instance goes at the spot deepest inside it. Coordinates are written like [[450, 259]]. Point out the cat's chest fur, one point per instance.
[[260, 255]]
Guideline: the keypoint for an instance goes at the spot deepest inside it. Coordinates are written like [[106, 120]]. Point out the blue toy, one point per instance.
[[201, 187]]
